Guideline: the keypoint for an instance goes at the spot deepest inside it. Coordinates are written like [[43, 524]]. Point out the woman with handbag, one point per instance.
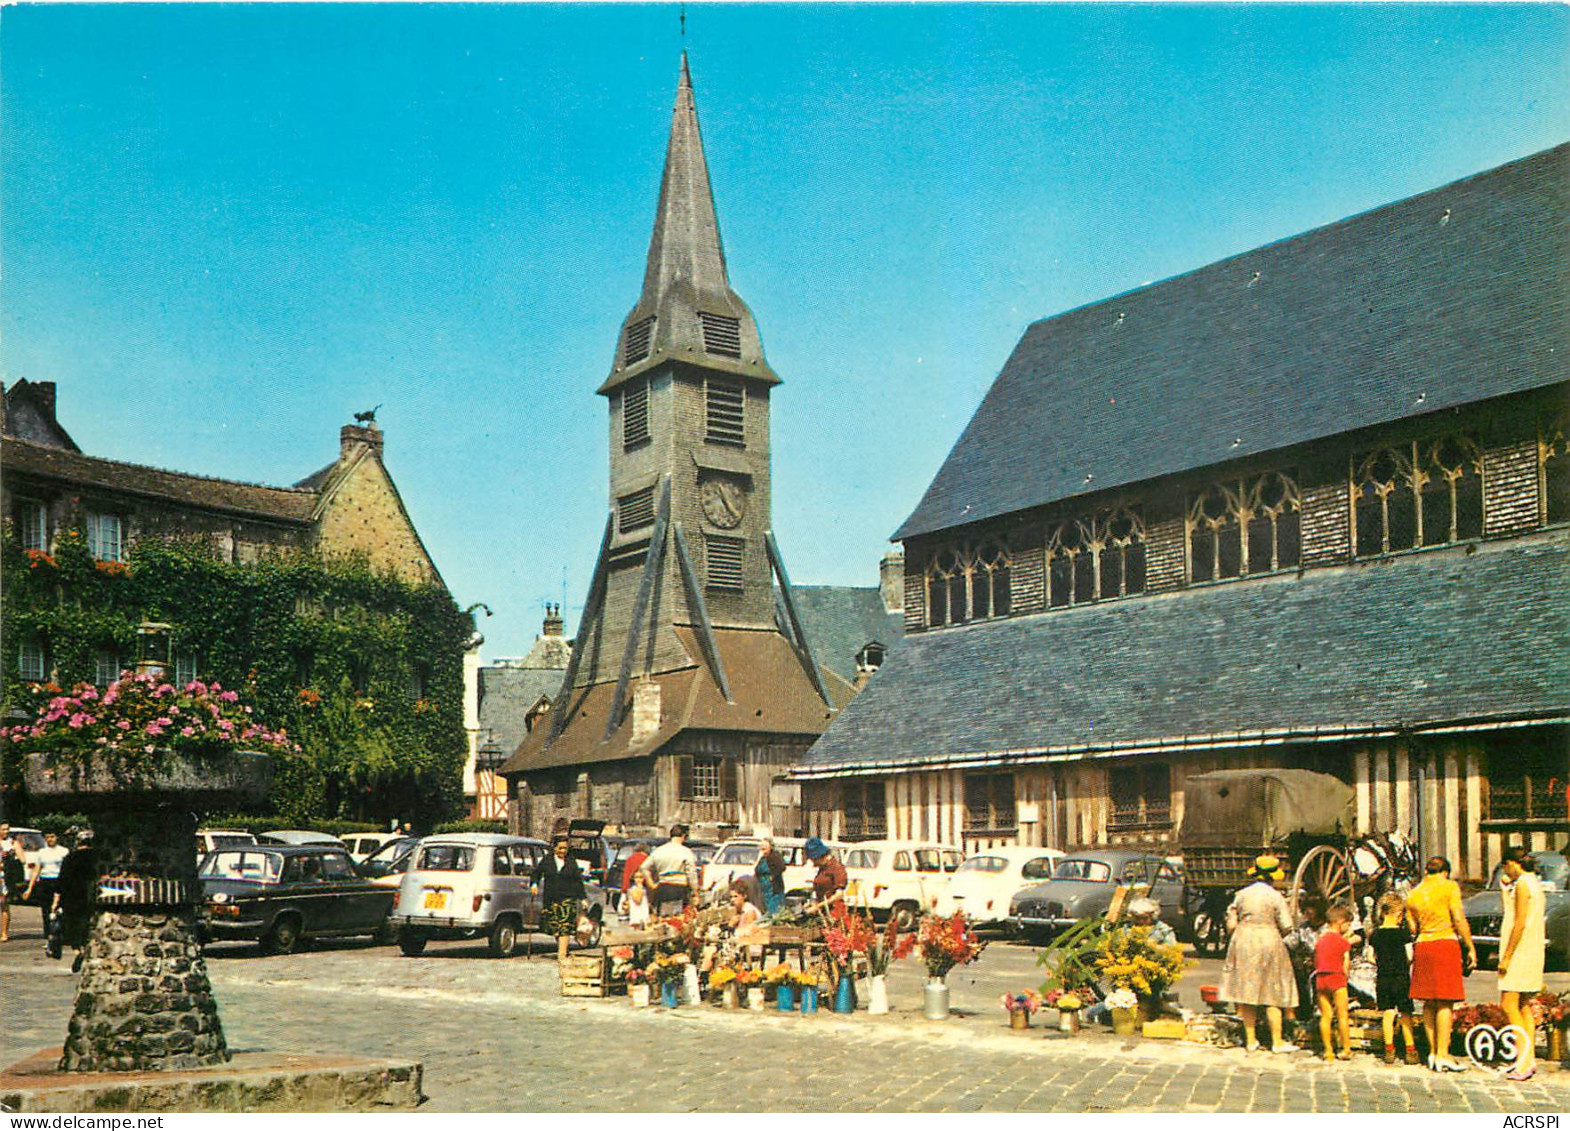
[[1434, 916]]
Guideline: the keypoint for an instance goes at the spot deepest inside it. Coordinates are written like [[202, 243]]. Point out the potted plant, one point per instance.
[[670, 972], [881, 950], [810, 980], [846, 935], [1068, 1003], [1020, 1006], [1552, 1011], [1123, 1004], [783, 979], [637, 980], [946, 941], [752, 982], [1125, 958]]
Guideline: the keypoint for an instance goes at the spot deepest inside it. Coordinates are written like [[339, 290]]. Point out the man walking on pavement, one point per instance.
[[672, 872], [45, 865]]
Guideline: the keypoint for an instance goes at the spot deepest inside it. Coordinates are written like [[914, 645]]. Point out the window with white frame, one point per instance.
[[184, 666], [32, 524], [106, 537], [31, 662], [106, 665]]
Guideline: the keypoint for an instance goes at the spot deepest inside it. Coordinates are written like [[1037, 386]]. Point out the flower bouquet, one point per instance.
[[638, 981], [1125, 958], [1020, 1006], [1124, 1005], [1068, 1003], [722, 980], [947, 942], [751, 981]]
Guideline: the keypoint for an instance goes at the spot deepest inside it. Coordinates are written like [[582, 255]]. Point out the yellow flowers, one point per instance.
[[1127, 959]]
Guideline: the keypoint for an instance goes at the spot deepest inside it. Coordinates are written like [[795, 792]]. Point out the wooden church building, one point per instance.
[[692, 687], [1308, 506]]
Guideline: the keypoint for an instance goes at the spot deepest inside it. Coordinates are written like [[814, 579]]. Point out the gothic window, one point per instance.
[[968, 582], [105, 537], [31, 662], [1095, 558], [724, 557], [419, 680], [32, 524], [725, 407], [1423, 493], [865, 809], [360, 673], [1241, 527], [1140, 795], [106, 666], [634, 413], [635, 511], [1553, 462], [989, 804]]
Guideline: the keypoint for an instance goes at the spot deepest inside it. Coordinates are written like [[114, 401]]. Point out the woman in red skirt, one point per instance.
[[1433, 914]]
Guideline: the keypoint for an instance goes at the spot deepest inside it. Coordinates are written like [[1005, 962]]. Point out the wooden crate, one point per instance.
[[777, 936], [585, 975]]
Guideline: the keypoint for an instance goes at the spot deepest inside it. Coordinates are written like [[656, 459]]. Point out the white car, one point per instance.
[[902, 878], [738, 856], [211, 840], [361, 845], [299, 836], [986, 882]]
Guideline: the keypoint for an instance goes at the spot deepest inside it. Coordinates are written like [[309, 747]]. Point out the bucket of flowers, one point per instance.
[[751, 981], [883, 948], [637, 979], [1068, 1003], [1123, 1003], [847, 934], [722, 980], [669, 971], [1125, 958], [783, 979], [1020, 1005], [946, 941], [1552, 1012]]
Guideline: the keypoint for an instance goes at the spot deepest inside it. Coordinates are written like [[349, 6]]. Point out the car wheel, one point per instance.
[[504, 938], [385, 935], [1209, 935], [904, 916], [411, 944], [283, 937]]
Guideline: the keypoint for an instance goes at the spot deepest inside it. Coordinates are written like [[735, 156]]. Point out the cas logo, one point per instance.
[[1486, 1044]]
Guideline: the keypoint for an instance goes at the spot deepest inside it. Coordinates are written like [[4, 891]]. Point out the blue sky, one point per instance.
[[227, 228]]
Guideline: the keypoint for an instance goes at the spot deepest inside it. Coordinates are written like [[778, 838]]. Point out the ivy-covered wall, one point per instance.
[[364, 670]]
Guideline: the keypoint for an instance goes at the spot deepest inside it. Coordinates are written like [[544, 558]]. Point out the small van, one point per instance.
[[899, 878], [469, 885]]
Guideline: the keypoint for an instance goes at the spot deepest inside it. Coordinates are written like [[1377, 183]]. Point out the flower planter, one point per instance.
[[845, 995], [691, 989], [1125, 1022], [1068, 1020], [639, 993], [1556, 1043], [878, 994], [1019, 1019], [143, 970], [785, 998], [935, 1000], [809, 1000], [755, 998], [730, 997], [670, 994]]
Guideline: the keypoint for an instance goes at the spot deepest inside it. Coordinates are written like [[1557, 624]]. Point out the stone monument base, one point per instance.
[[251, 1081]]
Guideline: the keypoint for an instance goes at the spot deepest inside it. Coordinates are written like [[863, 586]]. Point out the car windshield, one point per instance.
[[252, 865], [1555, 875], [1093, 871], [388, 852], [737, 854], [447, 858], [863, 858], [984, 864], [232, 840], [1038, 869]]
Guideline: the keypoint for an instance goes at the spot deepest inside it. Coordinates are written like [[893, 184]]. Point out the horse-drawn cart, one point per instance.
[[1301, 816]]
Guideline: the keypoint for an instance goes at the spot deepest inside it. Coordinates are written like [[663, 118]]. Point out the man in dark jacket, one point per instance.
[[74, 897]]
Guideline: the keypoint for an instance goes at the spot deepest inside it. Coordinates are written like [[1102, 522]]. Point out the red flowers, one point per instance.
[[947, 943], [113, 569], [36, 558]]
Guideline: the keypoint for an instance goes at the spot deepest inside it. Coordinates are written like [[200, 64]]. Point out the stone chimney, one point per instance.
[[645, 711], [552, 626], [891, 581], [353, 437]]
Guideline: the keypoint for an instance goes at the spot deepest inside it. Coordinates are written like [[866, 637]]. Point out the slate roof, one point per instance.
[[506, 695], [769, 686], [251, 500], [840, 620], [1409, 642], [1438, 300]]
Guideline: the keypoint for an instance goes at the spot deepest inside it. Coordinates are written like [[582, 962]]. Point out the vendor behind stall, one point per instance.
[[828, 886]]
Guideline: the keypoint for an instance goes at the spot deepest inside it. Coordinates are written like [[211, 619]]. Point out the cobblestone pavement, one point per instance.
[[495, 1036]]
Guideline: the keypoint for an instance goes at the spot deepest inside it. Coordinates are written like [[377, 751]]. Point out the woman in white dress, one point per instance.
[[1522, 936]]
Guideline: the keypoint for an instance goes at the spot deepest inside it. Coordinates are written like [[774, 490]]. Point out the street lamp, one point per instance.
[[152, 648]]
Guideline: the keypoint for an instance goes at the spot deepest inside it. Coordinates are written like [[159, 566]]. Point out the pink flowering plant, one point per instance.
[[128, 723]]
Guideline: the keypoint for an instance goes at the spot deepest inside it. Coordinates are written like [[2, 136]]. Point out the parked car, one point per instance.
[[388, 863], [899, 878], [984, 886], [362, 845], [1484, 910], [1083, 883], [300, 836], [473, 885], [281, 894], [210, 840], [739, 856]]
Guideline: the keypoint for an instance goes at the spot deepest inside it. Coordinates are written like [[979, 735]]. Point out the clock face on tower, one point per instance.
[[724, 502]]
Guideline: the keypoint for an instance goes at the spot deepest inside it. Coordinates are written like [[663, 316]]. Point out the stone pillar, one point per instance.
[[144, 1001]]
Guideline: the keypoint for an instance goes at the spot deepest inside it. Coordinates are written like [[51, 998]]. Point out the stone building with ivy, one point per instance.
[[1308, 506], [320, 596]]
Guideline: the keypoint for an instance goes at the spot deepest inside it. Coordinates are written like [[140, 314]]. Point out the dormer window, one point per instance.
[[870, 658]]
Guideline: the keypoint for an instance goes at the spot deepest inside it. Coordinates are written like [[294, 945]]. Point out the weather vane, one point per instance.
[[684, 21]]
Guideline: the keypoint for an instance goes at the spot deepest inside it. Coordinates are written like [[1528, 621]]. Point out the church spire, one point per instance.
[[687, 311]]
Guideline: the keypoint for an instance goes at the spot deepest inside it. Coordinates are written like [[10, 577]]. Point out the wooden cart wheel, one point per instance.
[[1323, 872]]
